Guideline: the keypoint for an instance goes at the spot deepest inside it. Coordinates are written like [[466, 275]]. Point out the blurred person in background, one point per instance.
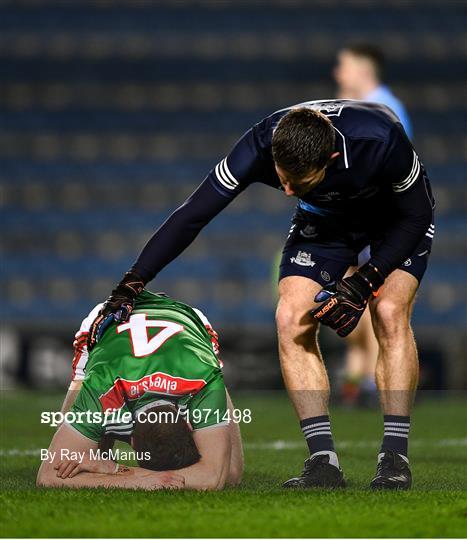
[[359, 74]]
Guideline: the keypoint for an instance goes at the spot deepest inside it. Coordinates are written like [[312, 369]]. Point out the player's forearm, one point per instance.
[[70, 397], [179, 231], [414, 213], [125, 478], [202, 476], [167, 243], [399, 244], [84, 480]]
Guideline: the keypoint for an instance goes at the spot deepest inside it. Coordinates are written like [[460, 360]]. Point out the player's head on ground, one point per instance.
[[359, 66], [166, 438], [302, 147]]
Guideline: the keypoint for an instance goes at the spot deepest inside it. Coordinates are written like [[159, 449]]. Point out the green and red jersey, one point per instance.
[[167, 351]]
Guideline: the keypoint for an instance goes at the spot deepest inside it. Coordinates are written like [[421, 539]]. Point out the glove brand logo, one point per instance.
[[309, 231], [303, 259], [332, 302]]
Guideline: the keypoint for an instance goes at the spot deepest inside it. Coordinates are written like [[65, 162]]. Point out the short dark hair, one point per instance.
[[372, 53], [169, 441], [302, 142]]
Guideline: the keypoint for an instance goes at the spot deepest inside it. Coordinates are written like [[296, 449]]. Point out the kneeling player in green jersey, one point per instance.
[[155, 382]]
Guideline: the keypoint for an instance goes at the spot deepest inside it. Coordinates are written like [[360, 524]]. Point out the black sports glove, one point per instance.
[[118, 306], [345, 301]]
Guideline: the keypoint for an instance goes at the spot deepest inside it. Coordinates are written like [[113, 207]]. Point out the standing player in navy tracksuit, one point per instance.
[[358, 182], [359, 74]]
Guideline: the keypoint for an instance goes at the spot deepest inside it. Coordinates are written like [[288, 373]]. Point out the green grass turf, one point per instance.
[[436, 507]]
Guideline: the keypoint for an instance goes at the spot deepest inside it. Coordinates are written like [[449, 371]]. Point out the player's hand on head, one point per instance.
[[344, 301], [117, 307]]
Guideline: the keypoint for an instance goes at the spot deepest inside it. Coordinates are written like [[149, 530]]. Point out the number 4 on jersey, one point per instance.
[[138, 327]]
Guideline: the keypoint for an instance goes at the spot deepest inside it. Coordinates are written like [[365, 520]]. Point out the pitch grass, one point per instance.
[[436, 507]]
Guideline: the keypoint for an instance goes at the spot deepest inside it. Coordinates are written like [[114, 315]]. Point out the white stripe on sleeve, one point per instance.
[[224, 175], [398, 187]]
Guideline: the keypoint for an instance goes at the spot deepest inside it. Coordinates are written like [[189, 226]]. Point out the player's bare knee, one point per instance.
[[235, 474], [234, 479], [39, 480], [293, 322], [285, 318], [215, 483], [42, 476], [390, 318]]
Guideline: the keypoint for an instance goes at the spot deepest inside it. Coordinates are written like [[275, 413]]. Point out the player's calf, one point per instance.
[[307, 381], [396, 376]]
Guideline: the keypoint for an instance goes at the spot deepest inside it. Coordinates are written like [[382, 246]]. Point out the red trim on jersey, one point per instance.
[[215, 343], [78, 344], [76, 360], [158, 382]]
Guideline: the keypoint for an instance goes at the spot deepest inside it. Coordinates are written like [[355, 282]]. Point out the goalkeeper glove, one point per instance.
[[345, 301], [118, 306]]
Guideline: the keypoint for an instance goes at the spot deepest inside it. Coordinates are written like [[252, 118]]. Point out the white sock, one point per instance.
[[333, 459]]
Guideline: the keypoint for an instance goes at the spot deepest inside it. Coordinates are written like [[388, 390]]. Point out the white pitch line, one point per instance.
[[294, 445], [13, 452], [281, 445]]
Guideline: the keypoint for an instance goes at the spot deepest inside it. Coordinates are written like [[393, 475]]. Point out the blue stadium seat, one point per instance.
[[87, 173]]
